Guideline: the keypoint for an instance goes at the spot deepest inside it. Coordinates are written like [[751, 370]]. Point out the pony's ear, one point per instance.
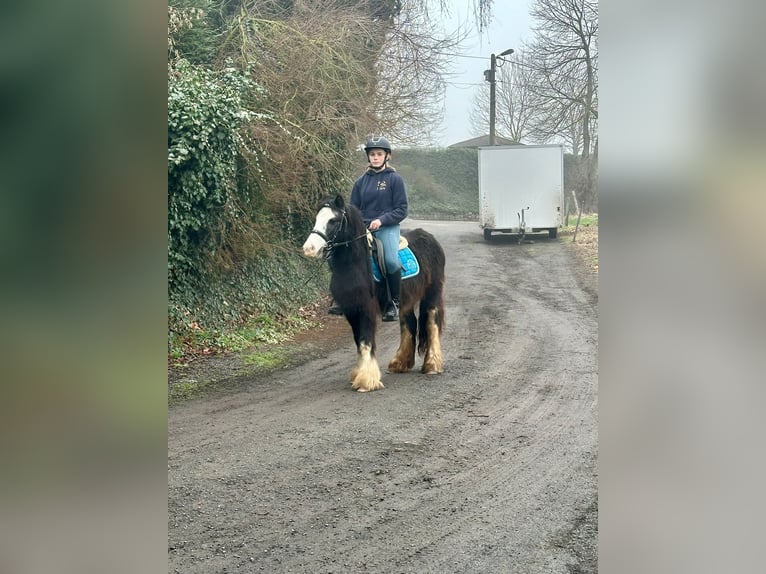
[[339, 202]]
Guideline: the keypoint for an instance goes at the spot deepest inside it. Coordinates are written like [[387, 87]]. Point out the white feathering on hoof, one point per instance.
[[365, 376]]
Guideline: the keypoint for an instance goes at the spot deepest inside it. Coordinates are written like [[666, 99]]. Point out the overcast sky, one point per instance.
[[511, 24]]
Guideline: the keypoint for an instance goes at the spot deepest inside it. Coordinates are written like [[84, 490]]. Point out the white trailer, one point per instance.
[[521, 189]]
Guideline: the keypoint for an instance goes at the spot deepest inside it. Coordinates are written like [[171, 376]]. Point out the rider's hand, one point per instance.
[[375, 224]]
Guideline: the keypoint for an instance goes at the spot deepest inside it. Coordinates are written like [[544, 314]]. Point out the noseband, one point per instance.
[[332, 243]]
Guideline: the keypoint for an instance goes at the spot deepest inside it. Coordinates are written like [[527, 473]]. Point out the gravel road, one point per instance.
[[490, 467]]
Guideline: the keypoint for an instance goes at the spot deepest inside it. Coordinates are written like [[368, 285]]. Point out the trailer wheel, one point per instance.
[[553, 232], [487, 235]]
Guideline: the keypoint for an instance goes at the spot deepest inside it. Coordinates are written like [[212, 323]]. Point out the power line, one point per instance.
[[463, 56], [513, 62]]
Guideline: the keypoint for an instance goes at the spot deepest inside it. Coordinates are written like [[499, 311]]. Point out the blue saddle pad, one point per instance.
[[410, 265]]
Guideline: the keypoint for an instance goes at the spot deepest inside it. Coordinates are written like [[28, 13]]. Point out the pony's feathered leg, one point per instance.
[[433, 363], [365, 376], [404, 359]]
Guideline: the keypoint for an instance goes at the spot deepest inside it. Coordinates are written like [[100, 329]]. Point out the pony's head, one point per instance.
[[329, 223]]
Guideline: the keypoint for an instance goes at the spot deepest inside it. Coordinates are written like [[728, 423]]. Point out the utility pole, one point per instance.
[[489, 75]]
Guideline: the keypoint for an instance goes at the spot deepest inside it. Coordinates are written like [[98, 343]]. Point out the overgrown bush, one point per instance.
[[266, 102], [236, 216], [206, 111]]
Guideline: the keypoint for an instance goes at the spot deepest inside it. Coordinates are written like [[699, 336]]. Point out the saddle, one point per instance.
[[407, 259]]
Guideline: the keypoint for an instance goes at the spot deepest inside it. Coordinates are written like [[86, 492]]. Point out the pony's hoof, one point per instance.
[[396, 366], [365, 376], [373, 386], [431, 370]]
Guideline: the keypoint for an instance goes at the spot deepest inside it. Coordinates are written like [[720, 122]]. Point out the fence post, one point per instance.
[[577, 204], [577, 226]]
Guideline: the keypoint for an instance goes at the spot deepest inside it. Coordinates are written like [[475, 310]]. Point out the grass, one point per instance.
[[200, 381], [587, 220], [265, 360], [252, 349], [586, 241], [185, 390], [198, 342], [203, 377]]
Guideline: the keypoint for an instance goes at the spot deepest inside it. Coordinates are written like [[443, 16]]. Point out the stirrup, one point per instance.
[[392, 312]]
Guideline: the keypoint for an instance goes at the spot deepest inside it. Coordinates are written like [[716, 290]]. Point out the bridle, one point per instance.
[[332, 243]]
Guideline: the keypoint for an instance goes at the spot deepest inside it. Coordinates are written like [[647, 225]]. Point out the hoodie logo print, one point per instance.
[[382, 185]]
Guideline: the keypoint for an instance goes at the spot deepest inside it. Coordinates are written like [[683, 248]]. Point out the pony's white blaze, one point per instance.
[[314, 243], [365, 376]]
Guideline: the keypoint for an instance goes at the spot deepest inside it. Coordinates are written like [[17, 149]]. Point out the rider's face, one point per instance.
[[377, 157]]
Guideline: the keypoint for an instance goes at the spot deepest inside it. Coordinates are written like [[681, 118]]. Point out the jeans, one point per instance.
[[389, 236]]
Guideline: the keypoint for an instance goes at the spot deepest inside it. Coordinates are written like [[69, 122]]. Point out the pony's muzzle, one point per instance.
[[313, 248]]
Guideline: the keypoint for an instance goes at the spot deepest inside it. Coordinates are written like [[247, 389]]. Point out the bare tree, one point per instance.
[[564, 57], [411, 73], [373, 65], [556, 118], [564, 62]]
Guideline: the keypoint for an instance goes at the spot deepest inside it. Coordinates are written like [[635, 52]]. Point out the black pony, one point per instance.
[[339, 233]]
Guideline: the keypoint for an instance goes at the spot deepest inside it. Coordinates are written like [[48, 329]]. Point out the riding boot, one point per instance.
[[394, 288], [334, 309]]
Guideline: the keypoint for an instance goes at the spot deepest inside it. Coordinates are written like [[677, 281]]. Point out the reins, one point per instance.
[[333, 244]]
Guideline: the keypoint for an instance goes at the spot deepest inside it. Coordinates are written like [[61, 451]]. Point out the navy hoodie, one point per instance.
[[381, 195]]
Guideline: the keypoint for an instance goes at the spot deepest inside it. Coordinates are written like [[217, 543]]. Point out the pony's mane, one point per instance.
[[357, 231], [355, 221]]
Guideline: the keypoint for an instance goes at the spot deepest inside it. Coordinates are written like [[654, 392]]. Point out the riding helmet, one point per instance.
[[377, 142]]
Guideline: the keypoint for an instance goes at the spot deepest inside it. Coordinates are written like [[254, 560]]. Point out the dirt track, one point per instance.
[[490, 467]]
